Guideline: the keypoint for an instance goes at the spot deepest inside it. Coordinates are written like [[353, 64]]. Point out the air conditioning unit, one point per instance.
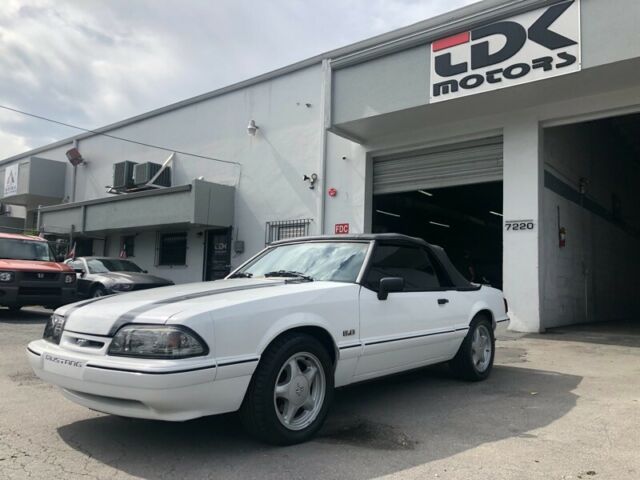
[[144, 172], [123, 175]]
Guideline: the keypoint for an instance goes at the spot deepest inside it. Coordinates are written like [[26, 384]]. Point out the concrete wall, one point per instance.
[[268, 183], [146, 255], [595, 277], [385, 84], [609, 34]]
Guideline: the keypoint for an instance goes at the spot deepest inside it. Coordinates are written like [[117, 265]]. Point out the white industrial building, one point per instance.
[[507, 131]]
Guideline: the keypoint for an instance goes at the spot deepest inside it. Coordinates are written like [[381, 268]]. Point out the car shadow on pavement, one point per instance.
[[373, 429], [25, 316], [615, 332]]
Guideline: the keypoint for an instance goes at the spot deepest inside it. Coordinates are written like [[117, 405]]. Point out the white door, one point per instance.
[[410, 328]]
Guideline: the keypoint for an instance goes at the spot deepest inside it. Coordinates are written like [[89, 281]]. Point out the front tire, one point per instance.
[[291, 390], [98, 291], [474, 359]]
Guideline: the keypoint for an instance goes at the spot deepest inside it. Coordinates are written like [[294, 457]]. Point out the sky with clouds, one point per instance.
[[94, 62]]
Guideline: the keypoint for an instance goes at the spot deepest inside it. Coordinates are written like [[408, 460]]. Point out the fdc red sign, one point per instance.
[[342, 228], [531, 46]]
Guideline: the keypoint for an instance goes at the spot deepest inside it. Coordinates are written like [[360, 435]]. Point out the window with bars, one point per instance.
[[284, 229], [172, 248]]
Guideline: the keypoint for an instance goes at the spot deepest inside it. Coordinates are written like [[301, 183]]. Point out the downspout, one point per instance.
[[325, 118], [75, 175]]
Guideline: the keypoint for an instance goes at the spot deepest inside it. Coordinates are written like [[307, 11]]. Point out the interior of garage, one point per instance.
[[465, 219], [591, 203]]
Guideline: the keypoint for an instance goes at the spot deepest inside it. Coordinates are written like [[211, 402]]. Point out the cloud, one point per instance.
[[98, 61]]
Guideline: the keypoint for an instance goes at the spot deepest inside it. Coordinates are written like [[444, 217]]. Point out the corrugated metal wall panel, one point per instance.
[[475, 161]]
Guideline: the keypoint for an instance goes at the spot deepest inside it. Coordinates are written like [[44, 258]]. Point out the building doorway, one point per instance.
[[466, 220], [591, 214], [217, 254]]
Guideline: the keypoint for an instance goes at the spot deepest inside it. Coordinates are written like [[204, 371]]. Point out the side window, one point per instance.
[[410, 263], [76, 264]]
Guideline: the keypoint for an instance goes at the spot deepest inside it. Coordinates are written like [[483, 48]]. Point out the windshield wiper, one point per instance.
[[289, 273], [241, 275]]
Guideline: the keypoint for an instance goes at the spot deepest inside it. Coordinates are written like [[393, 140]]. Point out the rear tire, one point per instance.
[[291, 390], [474, 359]]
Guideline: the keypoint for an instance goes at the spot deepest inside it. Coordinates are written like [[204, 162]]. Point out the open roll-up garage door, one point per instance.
[[464, 163]]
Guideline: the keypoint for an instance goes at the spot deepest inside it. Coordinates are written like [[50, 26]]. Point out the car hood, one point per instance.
[[132, 277], [103, 316], [33, 266]]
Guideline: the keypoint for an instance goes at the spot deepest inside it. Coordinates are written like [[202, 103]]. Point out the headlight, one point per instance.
[[53, 329], [157, 341], [69, 277], [7, 276], [122, 287]]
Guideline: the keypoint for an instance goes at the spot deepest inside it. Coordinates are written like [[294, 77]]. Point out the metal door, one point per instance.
[[217, 254]]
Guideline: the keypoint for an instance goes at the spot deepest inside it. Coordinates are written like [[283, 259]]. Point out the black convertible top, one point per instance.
[[457, 278]]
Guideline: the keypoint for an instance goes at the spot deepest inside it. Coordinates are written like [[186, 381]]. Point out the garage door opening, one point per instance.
[[466, 220], [592, 222]]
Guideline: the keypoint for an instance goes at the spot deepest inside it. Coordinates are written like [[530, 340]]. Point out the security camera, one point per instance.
[[311, 179]]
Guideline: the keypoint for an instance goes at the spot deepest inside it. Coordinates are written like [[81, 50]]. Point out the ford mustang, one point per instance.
[[275, 337]]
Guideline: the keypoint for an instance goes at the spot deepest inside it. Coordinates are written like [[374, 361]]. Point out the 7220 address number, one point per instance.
[[519, 225]]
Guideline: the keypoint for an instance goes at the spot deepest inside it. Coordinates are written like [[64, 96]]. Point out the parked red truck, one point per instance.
[[30, 274]]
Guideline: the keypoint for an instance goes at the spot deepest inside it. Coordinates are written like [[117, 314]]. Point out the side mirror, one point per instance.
[[389, 285], [79, 270]]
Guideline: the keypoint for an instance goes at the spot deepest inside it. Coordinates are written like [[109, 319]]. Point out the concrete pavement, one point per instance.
[[563, 405]]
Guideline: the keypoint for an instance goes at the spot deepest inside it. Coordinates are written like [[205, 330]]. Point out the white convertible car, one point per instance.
[[275, 337]]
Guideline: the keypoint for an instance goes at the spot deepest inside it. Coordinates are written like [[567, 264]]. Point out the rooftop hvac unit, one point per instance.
[[144, 172], [123, 175]]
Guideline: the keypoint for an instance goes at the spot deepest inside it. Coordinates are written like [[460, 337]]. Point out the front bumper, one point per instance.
[[47, 295], [173, 390]]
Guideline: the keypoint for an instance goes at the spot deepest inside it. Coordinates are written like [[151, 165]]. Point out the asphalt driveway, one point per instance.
[[564, 405]]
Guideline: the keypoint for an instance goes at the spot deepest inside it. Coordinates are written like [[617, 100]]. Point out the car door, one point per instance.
[[83, 282], [410, 328]]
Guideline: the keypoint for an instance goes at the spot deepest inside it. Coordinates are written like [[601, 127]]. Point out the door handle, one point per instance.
[[442, 301]]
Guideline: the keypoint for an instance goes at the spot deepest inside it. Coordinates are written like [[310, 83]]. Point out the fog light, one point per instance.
[[7, 276]]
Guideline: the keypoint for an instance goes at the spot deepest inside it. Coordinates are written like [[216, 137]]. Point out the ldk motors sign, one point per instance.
[[535, 45]]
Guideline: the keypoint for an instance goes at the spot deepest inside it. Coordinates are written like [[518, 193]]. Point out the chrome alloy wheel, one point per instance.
[[481, 348], [299, 391]]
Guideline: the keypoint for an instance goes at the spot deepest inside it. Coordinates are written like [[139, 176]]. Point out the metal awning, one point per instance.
[[201, 203]]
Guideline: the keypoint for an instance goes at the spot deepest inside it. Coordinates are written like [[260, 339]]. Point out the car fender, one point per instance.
[[292, 321], [478, 306]]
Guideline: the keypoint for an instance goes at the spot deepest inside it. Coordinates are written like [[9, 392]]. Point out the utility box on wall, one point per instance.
[[32, 182]]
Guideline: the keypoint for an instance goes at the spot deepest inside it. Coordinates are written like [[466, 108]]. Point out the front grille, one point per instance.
[[40, 276], [39, 291]]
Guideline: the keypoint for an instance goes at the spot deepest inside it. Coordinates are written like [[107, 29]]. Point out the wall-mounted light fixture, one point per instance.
[[252, 128]]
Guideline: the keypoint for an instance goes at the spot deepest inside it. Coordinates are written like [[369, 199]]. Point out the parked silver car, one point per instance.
[[99, 276]]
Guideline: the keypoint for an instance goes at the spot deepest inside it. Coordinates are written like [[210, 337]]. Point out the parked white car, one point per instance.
[[276, 337]]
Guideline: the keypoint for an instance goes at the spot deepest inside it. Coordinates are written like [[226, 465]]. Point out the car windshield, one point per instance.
[[330, 261], [104, 265], [18, 249]]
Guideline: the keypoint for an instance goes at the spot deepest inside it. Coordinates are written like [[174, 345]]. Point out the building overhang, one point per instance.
[[373, 128], [200, 204]]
